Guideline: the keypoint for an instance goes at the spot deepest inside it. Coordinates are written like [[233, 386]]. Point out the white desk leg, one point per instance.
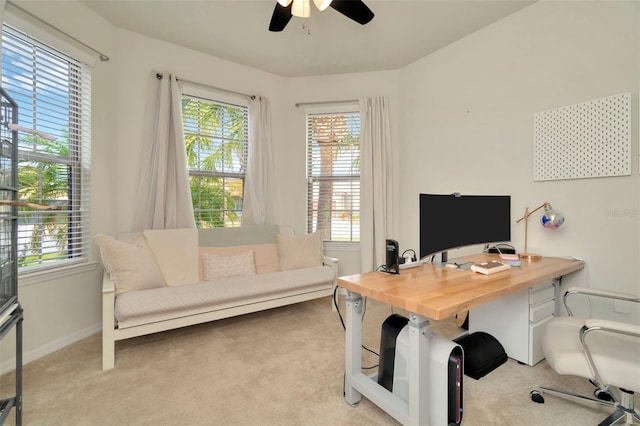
[[558, 297], [419, 360], [353, 342]]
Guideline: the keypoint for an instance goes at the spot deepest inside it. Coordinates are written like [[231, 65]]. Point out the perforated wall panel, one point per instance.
[[590, 139]]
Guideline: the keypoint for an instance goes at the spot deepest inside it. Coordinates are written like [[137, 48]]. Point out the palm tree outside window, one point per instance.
[[333, 176], [216, 139], [53, 93]]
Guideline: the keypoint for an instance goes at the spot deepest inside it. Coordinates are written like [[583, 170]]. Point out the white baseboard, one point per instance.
[[9, 365]]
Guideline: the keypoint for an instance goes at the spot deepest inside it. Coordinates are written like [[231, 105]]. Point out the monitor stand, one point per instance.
[[462, 266]]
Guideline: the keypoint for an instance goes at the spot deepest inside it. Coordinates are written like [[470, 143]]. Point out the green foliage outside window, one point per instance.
[[216, 144], [45, 183]]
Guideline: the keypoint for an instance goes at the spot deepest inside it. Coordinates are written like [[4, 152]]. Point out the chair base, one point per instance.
[[624, 411]]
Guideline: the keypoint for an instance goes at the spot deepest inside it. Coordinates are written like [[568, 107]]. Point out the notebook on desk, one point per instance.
[[491, 267]]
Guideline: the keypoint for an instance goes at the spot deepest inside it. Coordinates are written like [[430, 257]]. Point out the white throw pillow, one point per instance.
[[130, 263], [265, 256], [219, 267], [300, 251], [176, 251]]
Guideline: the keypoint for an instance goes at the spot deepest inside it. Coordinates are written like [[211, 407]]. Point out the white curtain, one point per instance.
[[164, 197], [376, 175], [260, 194]]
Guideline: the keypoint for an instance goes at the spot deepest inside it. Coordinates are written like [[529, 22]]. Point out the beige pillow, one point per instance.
[[299, 251], [176, 251], [265, 256], [219, 267], [130, 263]]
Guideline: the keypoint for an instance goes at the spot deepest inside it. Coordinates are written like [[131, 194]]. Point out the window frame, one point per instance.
[[76, 162], [349, 108], [210, 94]]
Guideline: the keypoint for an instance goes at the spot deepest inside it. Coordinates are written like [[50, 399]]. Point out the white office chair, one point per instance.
[[605, 352]]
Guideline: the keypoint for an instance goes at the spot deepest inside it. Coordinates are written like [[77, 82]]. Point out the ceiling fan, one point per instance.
[[285, 9]]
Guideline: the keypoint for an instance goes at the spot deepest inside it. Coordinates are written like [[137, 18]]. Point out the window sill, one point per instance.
[[341, 246], [35, 277]]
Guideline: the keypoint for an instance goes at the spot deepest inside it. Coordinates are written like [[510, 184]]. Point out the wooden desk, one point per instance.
[[428, 292]]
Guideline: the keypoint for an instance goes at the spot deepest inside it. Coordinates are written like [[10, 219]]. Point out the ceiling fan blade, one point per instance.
[[353, 9], [280, 18]]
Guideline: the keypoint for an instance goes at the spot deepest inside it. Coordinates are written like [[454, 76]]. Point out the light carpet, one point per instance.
[[279, 367]]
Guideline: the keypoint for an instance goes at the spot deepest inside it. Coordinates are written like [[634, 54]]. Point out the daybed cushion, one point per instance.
[[265, 256], [176, 251], [130, 263], [139, 307], [219, 267], [300, 251]]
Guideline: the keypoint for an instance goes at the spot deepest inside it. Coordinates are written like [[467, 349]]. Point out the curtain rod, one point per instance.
[[101, 55], [346, 101], [252, 97]]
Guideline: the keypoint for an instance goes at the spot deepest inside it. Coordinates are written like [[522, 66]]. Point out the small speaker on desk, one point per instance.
[[392, 257]]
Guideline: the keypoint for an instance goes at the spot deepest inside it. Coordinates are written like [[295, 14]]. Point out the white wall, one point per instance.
[[467, 119], [461, 121]]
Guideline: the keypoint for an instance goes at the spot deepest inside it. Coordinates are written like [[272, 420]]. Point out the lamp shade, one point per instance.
[[552, 219], [322, 4], [301, 8]]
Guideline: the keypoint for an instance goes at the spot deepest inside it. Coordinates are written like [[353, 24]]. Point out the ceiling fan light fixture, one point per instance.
[[301, 8], [322, 4]]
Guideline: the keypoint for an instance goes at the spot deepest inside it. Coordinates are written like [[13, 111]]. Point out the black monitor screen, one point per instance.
[[451, 221]]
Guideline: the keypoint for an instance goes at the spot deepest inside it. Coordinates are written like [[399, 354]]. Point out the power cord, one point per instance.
[[383, 268], [497, 247], [414, 258], [364, 307]]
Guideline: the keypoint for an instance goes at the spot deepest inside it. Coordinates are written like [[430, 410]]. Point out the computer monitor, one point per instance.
[[455, 220]]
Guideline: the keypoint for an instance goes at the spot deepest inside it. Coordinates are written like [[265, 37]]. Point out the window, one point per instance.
[[53, 93], [216, 137], [333, 175]]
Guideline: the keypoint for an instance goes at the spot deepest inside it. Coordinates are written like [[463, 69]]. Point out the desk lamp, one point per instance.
[[551, 219]]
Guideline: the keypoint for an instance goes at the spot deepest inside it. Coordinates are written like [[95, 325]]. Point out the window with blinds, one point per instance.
[[216, 137], [333, 175], [53, 93]]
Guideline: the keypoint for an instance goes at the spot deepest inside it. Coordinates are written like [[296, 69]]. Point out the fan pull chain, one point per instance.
[[306, 27]]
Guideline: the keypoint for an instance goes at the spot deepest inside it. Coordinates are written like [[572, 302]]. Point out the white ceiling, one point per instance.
[[401, 32]]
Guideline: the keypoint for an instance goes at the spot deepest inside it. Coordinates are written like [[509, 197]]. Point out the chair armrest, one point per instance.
[[598, 292], [108, 286], [612, 326], [333, 262], [597, 325], [330, 261]]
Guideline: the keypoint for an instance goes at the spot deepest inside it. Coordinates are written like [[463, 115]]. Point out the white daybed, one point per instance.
[[204, 275]]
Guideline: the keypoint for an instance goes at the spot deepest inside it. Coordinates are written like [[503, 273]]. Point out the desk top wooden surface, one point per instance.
[[438, 293]]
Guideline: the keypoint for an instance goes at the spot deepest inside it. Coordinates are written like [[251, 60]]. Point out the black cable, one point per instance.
[[414, 258], [335, 303], [497, 247], [382, 268]]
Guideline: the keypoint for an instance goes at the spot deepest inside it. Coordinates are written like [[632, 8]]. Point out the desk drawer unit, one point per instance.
[[518, 321]]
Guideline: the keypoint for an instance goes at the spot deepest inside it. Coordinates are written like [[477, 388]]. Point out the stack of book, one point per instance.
[[491, 267]]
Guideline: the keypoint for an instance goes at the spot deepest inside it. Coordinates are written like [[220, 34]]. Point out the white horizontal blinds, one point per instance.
[[216, 139], [333, 173], [53, 92]]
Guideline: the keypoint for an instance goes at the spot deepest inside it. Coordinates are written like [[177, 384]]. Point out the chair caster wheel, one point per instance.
[[536, 396], [603, 395]]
